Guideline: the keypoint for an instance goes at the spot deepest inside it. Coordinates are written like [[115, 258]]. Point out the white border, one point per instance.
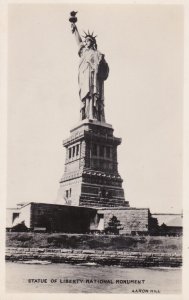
[[3, 139]]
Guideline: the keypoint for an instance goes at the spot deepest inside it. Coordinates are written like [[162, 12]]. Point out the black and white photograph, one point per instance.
[[94, 149]]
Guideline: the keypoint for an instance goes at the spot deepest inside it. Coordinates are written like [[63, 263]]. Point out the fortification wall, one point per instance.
[[132, 219]]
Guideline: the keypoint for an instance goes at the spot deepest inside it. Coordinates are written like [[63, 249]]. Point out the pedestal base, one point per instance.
[[91, 177]]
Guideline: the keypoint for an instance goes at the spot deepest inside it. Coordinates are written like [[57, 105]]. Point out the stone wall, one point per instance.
[[133, 220], [77, 219], [122, 258], [60, 218]]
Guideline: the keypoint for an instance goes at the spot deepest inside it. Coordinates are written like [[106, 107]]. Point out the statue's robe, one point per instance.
[[90, 81]]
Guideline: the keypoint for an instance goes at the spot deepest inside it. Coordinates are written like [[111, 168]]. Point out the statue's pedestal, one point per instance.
[[91, 175]]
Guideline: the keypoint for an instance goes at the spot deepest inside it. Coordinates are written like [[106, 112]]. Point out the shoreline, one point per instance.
[[94, 257]]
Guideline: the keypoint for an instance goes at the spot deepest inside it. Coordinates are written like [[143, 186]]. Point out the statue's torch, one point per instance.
[[73, 20]]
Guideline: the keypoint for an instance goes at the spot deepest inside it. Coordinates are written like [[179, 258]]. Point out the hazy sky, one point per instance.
[[143, 45]]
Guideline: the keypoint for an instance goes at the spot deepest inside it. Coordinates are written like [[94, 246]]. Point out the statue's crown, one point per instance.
[[89, 35]]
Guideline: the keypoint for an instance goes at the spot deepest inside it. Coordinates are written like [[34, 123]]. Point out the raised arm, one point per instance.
[[76, 33]]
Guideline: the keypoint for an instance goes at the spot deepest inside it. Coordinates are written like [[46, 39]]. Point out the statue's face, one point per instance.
[[88, 42]]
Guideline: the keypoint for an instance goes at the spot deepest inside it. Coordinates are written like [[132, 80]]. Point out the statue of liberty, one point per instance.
[[93, 71]]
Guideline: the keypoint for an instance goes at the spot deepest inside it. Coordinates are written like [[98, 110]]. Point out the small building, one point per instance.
[[73, 219], [51, 217], [169, 224], [132, 220]]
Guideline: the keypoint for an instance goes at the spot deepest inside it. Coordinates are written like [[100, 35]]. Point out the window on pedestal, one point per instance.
[[94, 149], [70, 152], [73, 151], [77, 150], [108, 152], [110, 166], [95, 163], [68, 193], [101, 150]]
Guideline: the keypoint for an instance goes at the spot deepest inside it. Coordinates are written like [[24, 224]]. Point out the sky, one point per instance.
[[143, 45]]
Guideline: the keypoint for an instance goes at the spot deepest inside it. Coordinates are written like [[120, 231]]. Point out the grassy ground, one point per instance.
[[100, 242]]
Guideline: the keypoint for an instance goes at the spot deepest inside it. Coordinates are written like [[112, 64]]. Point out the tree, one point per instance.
[[20, 227], [114, 226]]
